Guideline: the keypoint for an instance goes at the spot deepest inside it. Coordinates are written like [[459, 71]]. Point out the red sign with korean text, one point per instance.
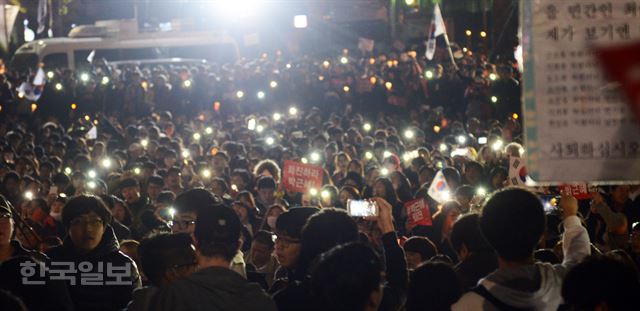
[[418, 213], [300, 177], [580, 191]]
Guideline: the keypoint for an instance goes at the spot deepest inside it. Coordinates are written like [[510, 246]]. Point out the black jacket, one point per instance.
[[476, 266], [212, 289], [103, 296]]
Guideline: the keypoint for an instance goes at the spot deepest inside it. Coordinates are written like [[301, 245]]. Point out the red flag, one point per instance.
[[622, 64]]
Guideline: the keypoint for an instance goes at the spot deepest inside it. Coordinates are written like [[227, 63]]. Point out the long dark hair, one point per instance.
[[390, 194], [404, 191]]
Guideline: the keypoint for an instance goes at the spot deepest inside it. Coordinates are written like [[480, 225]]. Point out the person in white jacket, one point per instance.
[[513, 221]]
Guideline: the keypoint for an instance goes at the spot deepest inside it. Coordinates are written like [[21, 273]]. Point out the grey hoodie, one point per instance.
[[533, 287], [212, 289]]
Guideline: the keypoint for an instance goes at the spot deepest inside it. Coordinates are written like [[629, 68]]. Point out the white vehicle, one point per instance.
[[119, 40]]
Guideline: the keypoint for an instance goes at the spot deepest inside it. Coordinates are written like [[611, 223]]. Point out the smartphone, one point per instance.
[[362, 208], [482, 140], [550, 202]]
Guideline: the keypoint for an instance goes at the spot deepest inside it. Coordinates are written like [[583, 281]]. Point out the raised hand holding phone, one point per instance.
[[568, 205], [385, 216]]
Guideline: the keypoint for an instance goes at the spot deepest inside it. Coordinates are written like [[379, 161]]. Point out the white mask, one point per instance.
[[271, 221]]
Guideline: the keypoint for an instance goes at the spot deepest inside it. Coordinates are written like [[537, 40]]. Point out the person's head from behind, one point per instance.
[[348, 277], [464, 195], [418, 250], [434, 286], [7, 224], [324, 230], [188, 205], [217, 236], [602, 282], [466, 238], [288, 230], [513, 222], [85, 217], [262, 247], [167, 257], [130, 248]]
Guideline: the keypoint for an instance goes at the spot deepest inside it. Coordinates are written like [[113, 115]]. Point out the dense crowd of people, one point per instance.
[[172, 176]]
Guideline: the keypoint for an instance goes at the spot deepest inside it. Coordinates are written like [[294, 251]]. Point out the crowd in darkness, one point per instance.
[[176, 172]]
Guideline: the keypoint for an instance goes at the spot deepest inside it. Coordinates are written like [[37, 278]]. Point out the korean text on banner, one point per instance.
[[577, 126], [299, 177], [418, 213]]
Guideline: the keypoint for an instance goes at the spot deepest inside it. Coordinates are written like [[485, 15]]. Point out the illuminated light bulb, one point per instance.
[[34, 107], [521, 151], [326, 64], [325, 194], [63, 195], [208, 130], [84, 77], [468, 33], [410, 2], [172, 212], [409, 134], [315, 157], [68, 171], [481, 191], [144, 84], [462, 139], [234, 187], [197, 136], [313, 192], [293, 111], [137, 171], [187, 83], [105, 80], [106, 163], [497, 145], [384, 171], [270, 141], [493, 76], [144, 143], [92, 174], [436, 129], [344, 60], [273, 84], [494, 99], [346, 88], [304, 160], [483, 34], [321, 78], [277, 116], [386, 154], [50, 74], [259, 128], [239, 94], [446, 195], [87, 118], [515, 116], [288, 66], [74, 106], [185, 153], [368, 155], [372, 61], [388, 85], [251, 124], [367, 127], [95, 122], [373, 80], [465, 50], [58, 86], [260, 95], [28, 195], [443, 147], [407, 157], [206, 173]]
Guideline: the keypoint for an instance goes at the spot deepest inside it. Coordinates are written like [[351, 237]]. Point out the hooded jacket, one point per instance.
[[212, 289], [103, 296], [532, 287]]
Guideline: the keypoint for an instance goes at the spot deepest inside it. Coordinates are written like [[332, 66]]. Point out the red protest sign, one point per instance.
[[580, 191], [418, 213], [298, 177]]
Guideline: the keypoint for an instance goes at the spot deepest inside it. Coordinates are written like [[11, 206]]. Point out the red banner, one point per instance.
[[418, 213], [299, 177], [580, 191]]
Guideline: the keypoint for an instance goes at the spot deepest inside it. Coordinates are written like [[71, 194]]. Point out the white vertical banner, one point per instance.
[[578, 127]]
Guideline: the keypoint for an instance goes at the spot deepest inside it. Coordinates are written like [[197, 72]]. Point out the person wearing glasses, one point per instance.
[[91, 252]]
